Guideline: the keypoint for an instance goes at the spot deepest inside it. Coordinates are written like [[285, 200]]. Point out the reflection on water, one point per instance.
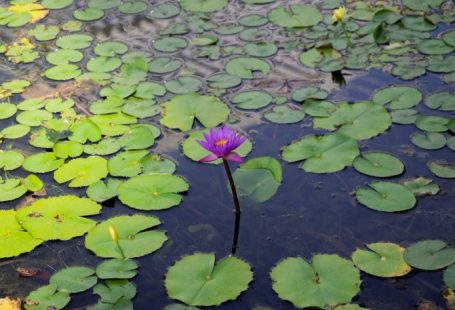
[[310, 214]]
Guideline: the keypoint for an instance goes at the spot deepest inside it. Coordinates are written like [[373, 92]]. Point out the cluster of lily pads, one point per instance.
[[103, 145]]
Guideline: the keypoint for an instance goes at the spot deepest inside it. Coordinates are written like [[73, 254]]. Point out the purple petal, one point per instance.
[[208, 158], [233, 156]]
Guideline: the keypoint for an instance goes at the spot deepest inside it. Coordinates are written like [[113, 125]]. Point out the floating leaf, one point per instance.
[[74, 279], [299, 15], [386, 197], [169, 44], [126, 164], [13, 239], [377, 164], [44, 32], [47, 297], [100, 191], [434, 47], [398, 97], [449, 277], [33, 118], [382, 259], [444, 101], [88, 14], [183, 85], [10, 160], [152, 192], [7, 110], [74, 41], [422, 5], [14, 131], [361, 120], [245, 67], [67, 149], [82, 171], [303, 94], [429, 255], [224, 80], [328, 280], [115, 294], [181, 111], [62, 72], [322, 154], [442, 169], [258, 178], [11, 189], [204, 6], [117, 269], [162, 65], [132, 7], [135, 238], [249, 100], [421, 186], [198, 280], [58, 218], [449, 37], [428, 140], [56, 4], [103, 64], [110, 48], [432, 123], [285, 115], [164, 10], [195, 152]]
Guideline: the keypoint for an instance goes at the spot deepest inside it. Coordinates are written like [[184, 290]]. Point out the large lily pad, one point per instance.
[[82, 171], [327, 280], [58, 218], [198, 280], [74, 279], [13, 239], [181, 111], [152, 192], [322, 154], [10, 160], [429, 255], [361, 120], [378, 164], [11, 189], [386, 197], [382, 259], [398, 97], [134, 237], [299, 15], [42, 162], [258, 178]]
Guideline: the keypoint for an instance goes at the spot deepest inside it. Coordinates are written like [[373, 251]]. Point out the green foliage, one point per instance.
[[386, 197], [429, 255]]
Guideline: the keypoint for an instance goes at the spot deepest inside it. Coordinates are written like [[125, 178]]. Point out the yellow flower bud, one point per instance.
[[338, 14], [113, 233]]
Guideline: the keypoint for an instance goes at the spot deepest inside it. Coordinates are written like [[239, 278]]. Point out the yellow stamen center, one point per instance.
[[221, 142]]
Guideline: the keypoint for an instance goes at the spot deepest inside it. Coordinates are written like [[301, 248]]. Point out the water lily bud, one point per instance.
[[113, 233], [338, 14]]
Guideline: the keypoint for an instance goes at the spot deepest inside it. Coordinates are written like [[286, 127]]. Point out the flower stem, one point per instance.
[[236, 234], [120, 250], [235, 198], [346, 34]]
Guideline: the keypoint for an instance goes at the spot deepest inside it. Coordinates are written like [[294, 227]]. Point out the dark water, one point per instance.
[[310, 213]]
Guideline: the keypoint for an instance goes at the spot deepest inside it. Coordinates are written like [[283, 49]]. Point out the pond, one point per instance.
[[344, 116]]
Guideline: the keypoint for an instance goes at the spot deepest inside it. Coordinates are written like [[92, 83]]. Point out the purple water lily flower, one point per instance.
[[222, 142]]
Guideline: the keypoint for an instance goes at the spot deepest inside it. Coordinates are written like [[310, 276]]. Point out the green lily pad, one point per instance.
[[287, 114], [126, 164], [42, 162], [152, 192], [58, 218], [429, 140], [114, 294], [429, 255], [443, 101], [164, 10], [33, 118], [56, 4], [148, 90], [85, 130], [162, 65], [258, 178], [204, 6], [386, 197], [134, 237], [442, 169], [88, 14], [224, 80], [169, 44], [449, 277], [361, 120], [10, 160], [141, 108], [382, 259], [449, 37], [318, 108], [398, 97], [62, 72], [198, 280], [183, 85], [74, 41], [422, 5], [44, 32], [181, 111], [328, 280], [13, 239], [132, 7], [117, 269], [421, 186], [434, 47], [110, 48], [261, 49], [322, 154], [7, 110], [194, 151], [46, 297], [305, 93], [103, 64], [378, 164], [82, 171], [67, 149], [432, 123], [14, 131], [74, 279], [250, 100], [154, 163], [101, 191], [299, 15], [245, 67]]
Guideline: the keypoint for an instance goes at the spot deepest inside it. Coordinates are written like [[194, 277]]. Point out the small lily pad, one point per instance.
[[74, 279], [183, 85], [378, 164], [386, 197], [382, 259], [299, 15], [82, 171], [245, 67], [10, 160], [62, 72], [47, 297], [421, 186], [101, 191], [117, 269], [250, 100], [429, 140], [449, 277], [134, 237], [42, 162], [198, 280], [429, 255], [169, 44], [398, 97], [442, 169], [204, 6], [285, 115], [74, 41], [432, 123]]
